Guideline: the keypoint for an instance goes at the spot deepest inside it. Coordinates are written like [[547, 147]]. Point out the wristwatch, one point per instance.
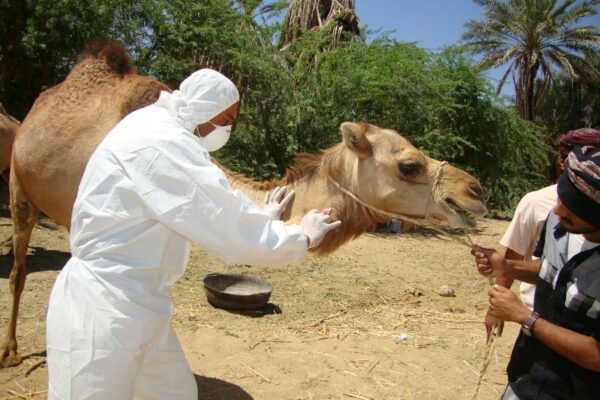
[[527, 326]]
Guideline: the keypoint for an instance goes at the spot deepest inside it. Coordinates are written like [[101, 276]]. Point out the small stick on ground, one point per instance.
[[325, 354], [255, 372], [384, 381], [16, 395], [357, 396], [320, 321], [373, 366], [29, 395], [471, 367], [267, 341]]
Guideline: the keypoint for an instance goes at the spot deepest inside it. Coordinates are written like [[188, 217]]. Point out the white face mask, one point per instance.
[[217, 138]]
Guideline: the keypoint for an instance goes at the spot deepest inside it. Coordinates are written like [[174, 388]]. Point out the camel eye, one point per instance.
[[408, 169]]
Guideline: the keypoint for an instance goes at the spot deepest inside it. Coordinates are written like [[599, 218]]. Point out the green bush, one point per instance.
[[293, 100], [438, 101]]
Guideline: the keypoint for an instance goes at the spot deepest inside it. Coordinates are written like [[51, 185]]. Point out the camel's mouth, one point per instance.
[[457, 214]]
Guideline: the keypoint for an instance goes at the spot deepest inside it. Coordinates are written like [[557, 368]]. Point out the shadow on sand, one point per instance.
[[40, 259], [269, 309], [216, 389]]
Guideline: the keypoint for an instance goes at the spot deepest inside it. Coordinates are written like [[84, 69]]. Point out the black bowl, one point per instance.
[[236, 291]]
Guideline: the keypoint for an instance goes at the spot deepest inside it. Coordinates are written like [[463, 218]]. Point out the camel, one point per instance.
[[8, 129], [68, 121]]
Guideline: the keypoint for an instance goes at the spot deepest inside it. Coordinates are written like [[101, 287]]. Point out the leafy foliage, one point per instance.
[[439, 102], [571, 104], [532, 37], [40, 41], [293, 100], [568, 105]]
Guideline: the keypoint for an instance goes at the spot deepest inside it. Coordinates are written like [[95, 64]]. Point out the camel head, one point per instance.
[[370, 174], [386, 172]]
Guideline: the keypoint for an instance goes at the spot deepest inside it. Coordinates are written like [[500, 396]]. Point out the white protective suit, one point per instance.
[[149, 190]]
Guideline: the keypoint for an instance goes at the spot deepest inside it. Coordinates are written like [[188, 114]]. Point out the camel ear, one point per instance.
[[355, 138]]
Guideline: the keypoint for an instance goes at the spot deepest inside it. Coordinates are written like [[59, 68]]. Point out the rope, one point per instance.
[[489, 350], [427, 221], [436, 192]]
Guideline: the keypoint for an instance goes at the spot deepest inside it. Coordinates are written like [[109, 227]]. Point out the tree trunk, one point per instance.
[[529, 97]]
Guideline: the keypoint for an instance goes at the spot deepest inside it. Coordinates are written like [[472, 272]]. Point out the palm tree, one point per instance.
[[533, 37], [255, 8], [334, 16]]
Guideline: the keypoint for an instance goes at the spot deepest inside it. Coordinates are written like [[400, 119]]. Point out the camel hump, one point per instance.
[[112, 52]]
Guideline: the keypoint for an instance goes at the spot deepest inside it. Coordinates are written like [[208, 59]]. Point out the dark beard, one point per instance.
[[581, 231]]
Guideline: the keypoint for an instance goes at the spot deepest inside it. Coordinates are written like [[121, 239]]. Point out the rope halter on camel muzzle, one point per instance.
[[429, 222]]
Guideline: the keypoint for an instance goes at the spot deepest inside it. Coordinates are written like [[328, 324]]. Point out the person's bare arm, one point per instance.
[[509, 254], [491, 263], [581, 349], [507, 282], [525, 271]]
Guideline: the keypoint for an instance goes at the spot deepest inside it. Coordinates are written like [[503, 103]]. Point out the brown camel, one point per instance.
[[8, 129], [68, 121]]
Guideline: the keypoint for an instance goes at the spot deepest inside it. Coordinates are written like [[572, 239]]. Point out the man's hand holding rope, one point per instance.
[[505, 305], [490, 263]]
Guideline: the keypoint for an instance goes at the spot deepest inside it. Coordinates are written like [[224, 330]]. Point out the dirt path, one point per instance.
[[330, 329]]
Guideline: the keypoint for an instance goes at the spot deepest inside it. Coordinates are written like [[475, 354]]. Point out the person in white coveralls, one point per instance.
[[148, 191]]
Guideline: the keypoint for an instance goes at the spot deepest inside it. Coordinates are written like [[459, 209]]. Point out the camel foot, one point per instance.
[[41, 363], [10, 358]]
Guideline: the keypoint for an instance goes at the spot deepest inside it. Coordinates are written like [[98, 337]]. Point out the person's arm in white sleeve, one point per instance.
[[522, 231], [520, 235], [184, 190]]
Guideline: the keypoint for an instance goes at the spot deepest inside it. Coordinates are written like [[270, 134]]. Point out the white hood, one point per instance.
[[202, 96]]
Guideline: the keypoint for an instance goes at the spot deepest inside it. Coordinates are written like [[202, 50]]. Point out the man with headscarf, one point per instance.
[[148, 191], [557, 352], [522, 234]]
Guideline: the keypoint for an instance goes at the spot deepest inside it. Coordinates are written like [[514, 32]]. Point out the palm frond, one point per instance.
[[536, 35], [503, 79], [336, 16]]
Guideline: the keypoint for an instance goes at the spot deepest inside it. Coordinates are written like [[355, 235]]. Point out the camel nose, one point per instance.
[[476, 191]]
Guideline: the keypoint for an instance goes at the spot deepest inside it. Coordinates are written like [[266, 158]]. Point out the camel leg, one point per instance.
[[24, 216]]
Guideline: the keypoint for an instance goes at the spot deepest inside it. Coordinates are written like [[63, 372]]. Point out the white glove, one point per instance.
[[316, 225], [274, 206]]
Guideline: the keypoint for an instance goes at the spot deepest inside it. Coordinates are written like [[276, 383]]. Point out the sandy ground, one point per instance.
[[328, 332]]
